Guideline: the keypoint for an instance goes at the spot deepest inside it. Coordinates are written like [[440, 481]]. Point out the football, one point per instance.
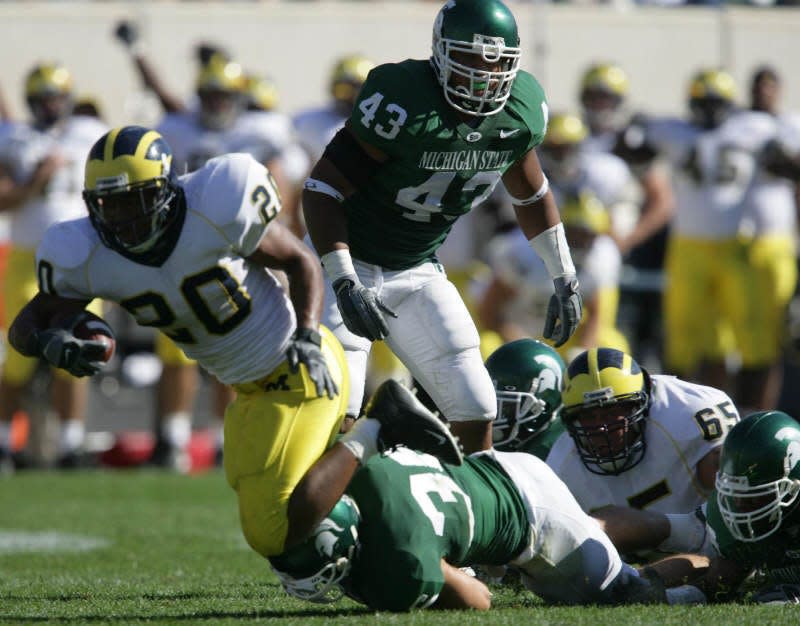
[[87, 325]]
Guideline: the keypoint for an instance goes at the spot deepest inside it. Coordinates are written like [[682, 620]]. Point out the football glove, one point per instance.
[[305, 348], [564, 310], [362, 310], [80, 357], [127, 33]]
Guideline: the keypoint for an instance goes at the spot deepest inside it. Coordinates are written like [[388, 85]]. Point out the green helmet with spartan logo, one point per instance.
[[483, 30], [527, 377], [759, 474], [315, 569]]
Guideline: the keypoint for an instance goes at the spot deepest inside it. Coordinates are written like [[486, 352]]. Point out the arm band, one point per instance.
[[551, 246], [350, 158], [338, 264], [535, 197], [319, 186]]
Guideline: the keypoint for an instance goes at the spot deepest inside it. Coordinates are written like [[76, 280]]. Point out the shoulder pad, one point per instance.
[[528, 103], [237, 194], [216, 189], [386, 108], [68, 244]]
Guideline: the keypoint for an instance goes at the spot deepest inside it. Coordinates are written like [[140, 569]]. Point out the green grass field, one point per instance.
[[146, 546]]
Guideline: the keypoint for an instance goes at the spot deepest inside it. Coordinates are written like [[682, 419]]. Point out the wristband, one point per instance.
[[535, 197], [339, 264], [319, 186], [551, 245], [308, 334]]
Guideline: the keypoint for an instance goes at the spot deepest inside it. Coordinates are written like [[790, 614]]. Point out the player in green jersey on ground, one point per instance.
[[427, 141], [397, 540]]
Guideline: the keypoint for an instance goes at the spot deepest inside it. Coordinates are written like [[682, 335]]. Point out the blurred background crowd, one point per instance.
[[650, 188]]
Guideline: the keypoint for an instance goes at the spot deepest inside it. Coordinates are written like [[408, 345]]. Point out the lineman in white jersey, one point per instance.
[[635, 440], [41, 172], [586, 185], [711, 311], [189, 256]]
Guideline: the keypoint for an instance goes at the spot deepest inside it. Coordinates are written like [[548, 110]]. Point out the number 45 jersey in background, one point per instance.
[[228, 314], [685, 422], [438, 167]]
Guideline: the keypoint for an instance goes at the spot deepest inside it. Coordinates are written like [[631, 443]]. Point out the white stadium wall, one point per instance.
[[297, 42]]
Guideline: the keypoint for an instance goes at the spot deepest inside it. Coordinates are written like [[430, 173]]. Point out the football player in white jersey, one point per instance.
[[587, 185], [188, 256], [712, 307], [41, 171], [636, 440], [219, 124]]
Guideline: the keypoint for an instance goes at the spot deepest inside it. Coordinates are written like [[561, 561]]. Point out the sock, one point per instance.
[[5, 436], [177, 429], [362, 439], [687, 533], [72, 435], [218, 432], [685, 594]]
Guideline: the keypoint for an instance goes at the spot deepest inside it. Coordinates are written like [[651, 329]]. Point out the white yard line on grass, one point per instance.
[[16, 541]]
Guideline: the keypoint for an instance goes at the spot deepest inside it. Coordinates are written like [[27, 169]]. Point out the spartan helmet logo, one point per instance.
[[327, 537], [792, 455]]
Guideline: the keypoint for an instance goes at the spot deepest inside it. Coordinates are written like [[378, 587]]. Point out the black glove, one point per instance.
[[305, 348], [127, 32], [564, 310], [361, 309], [80, 357]]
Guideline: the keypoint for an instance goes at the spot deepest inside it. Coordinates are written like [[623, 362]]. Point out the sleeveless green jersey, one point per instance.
[[416, 511], [540, 446], [438, 167], [778, 555]]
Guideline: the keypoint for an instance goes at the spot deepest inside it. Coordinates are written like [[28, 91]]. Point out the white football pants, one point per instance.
[[433, 335]]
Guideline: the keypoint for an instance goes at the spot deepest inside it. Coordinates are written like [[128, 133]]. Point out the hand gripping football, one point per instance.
[[87, 325]]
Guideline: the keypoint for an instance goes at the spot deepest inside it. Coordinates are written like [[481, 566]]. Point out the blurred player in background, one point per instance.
[[769, 225], [639, 225], [720, 301], [407, 164], [586, 185], [636, 440], [317, 126], [41, 171]]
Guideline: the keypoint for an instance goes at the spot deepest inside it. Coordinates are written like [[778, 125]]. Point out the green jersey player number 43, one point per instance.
[[427, 141]]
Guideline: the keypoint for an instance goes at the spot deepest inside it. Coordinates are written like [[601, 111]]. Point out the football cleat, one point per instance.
[[405, 421]]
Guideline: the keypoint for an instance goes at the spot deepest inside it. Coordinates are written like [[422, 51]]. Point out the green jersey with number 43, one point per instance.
[[416, 511], [438, 167]]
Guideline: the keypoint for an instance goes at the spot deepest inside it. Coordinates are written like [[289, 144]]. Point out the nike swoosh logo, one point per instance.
[[506, 133]]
